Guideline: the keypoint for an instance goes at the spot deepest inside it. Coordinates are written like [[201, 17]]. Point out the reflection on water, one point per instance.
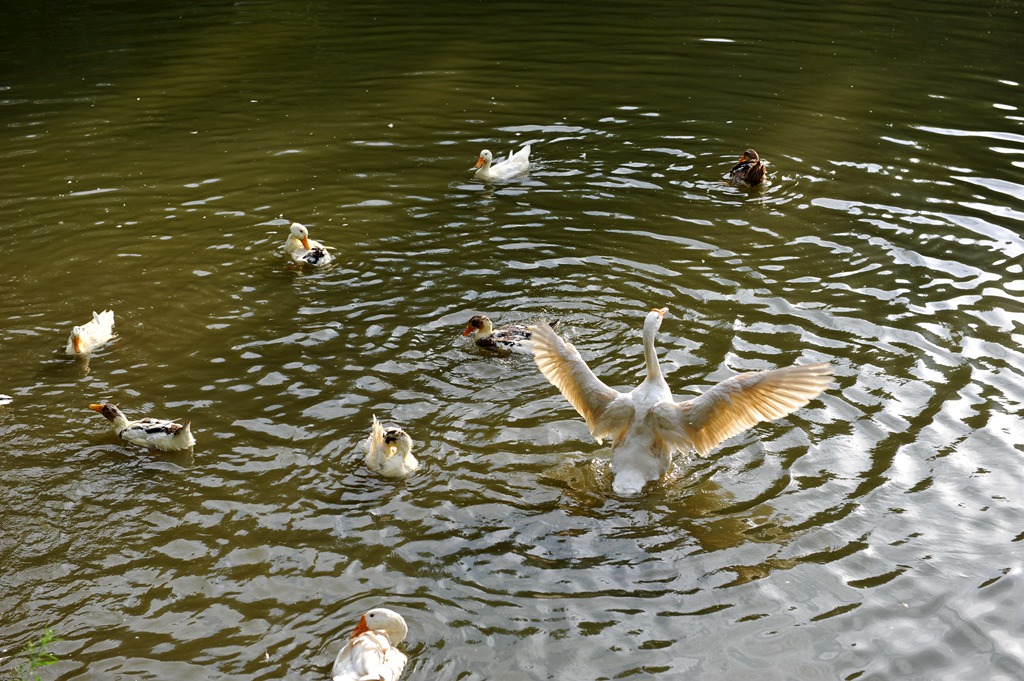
[[154, 159]]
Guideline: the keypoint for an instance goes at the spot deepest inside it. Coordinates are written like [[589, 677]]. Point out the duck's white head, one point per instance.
[[383, 621], [300, 232], [76, 339], [484, 160], [654, 319], [480, 325]]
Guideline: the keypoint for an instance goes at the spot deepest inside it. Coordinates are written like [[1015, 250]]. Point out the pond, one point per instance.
[[154, 157]]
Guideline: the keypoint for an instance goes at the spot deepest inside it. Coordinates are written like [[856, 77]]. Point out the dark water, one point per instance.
[[153, 159]]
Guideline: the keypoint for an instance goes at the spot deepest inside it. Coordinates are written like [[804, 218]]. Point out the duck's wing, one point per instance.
[[504, 345], [394, 661], [739, 168], [737, 403], [316, 256], [316, 244], [159, 434], [606, 410], [99, 329], [512, 333], [376, 439], [368, 656], [154, 426], [521, 158], [357, 660]]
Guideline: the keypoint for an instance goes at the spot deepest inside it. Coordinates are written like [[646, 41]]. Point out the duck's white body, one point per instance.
[[89, 336], [646, 425], [389, 452], [165, 436], [302, 249], [505, 339], [517, 163], [370, 654]]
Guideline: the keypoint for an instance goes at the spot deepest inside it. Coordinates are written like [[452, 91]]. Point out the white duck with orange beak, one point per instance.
[[370, 653], [89, 336], [517, 163], [302, 249]]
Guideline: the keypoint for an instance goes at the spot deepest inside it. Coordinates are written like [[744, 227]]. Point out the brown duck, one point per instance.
[[749, 172]]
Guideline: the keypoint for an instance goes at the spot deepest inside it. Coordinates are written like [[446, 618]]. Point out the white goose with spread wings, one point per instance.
[[647, 424]]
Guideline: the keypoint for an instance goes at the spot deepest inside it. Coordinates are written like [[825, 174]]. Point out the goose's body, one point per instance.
[[646, 424], [517, 163], [749, 172], [389, 452], [301, 249], [165, 436], [370, 654], [504, 339], [89, 336]]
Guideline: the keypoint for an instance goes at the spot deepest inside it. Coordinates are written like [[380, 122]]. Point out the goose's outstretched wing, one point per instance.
[[606, 410], [739, 402]]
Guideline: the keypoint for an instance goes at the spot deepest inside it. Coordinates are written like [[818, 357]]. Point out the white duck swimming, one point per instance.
[[302, 249], [647, 424], [517, 163], [370, 654], [89, 336], [389, 452], [166, 436]]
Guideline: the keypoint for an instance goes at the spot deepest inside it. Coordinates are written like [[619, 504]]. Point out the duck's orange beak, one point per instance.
[[96, 407], [76, 343], [661, 311], [469, 330], [361, 628], [479, 162], [305, 243]]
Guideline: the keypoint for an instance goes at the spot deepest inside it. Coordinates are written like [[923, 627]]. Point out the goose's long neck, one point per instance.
[[650, 354]]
